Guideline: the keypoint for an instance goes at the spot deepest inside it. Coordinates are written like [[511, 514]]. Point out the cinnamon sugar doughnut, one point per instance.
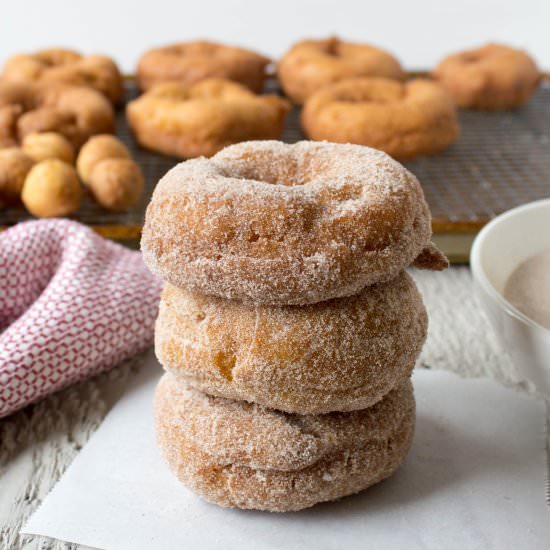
[[61, 66], [340, 355], [493, 77], [199, 120], [282, 224], [76, 112], [312, 64], [403, 119], [242, 455], [191, 62]]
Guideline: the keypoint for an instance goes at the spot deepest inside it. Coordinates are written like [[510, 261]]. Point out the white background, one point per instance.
[[419, 32]]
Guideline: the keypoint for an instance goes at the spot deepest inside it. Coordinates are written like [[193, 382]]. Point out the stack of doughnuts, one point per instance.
[[288, 326]]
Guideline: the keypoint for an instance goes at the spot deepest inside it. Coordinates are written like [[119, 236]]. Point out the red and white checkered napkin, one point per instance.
[[72, 304]]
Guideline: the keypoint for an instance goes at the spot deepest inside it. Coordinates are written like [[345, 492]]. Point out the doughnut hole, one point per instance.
[[52, 189], [14, 167], [116, 183], [96, 149]]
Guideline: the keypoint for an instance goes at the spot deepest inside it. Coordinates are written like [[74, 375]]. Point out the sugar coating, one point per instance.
[[340, 355], [273, 223], [244, 455]]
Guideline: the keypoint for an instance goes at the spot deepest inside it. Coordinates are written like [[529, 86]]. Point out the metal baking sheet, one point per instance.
[[501, 160]]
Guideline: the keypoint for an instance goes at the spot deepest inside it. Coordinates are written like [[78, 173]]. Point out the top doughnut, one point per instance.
[[273, 223], [66, 67], [311, 64], [191, 62], [493, 77]]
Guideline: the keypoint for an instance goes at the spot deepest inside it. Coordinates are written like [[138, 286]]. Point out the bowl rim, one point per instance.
[[479, 273]]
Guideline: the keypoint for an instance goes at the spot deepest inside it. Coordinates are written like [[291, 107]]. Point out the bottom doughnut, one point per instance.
[[243, 455]]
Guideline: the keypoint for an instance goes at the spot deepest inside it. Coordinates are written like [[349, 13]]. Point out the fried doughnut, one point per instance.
[[493, 77], [199, 120], [311, 64], [96, 149], [48, 145], [243, 455], [51, 189], [403, 119], [340, 355], [282, 224], [116, 183], [191, 62], [62, 66], [76, 112], [14, 167]]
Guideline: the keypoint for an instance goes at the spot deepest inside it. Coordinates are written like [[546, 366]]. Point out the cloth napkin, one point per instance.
[[72, 304]]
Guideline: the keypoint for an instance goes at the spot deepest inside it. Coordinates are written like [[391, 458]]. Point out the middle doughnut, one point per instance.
[[341, 355]]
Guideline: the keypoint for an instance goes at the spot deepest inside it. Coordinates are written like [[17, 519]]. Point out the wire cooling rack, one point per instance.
[[501, 160]]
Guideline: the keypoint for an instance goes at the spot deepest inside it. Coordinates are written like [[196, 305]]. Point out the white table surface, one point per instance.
[[418, 32], [38, 443]]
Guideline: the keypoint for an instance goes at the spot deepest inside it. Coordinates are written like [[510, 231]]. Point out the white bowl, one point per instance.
[[498, 249]]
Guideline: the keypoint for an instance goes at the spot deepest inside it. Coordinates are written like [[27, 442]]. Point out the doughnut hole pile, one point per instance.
[[41, 175], [288, 326]]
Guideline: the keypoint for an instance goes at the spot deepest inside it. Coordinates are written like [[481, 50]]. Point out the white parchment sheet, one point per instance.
[[474, 479]]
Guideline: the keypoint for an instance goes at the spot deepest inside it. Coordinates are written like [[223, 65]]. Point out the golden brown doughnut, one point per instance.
[[493, 77], [14, 167], [191, 62], [340, 355], [242, 455], [76, 112], [311, 64], [52, 189], [96, 149], [61, 66], [48, 145], [281, 224], [116, 183], [199, 120], [403, 119]]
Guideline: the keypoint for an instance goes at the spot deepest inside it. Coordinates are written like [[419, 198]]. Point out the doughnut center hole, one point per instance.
[[471, 58], [333, 48], [372, 96], [275, 171]]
